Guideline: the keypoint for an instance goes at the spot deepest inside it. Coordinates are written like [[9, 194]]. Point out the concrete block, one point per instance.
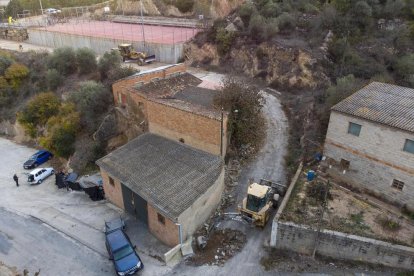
[[174, 256], [186, 247]]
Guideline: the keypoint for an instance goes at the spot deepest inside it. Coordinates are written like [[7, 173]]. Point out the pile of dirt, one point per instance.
[[221, 246]]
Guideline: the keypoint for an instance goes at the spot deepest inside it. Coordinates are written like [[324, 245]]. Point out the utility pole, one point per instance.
[[41, 7], [142, 24]]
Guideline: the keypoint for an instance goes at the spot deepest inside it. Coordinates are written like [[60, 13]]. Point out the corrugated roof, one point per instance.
[[169, 175], [383, 103]]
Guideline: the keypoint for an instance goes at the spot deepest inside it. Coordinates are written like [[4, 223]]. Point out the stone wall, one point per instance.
[[376, 157], [13, 33], [166, 232], [192, 218], [112, 192], [301, 239]]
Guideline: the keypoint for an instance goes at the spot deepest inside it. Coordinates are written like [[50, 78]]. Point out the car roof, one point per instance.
[[38, 169], [40, 151], [117, 239]]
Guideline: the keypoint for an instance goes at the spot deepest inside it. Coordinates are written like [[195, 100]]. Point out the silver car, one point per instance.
[[38, 175]]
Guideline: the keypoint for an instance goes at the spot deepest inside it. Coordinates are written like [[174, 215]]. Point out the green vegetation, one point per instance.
[[57, 100], [182, 5], [243, 101], [388, 223]]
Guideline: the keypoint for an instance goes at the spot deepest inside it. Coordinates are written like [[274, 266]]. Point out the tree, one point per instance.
[[61, 131], [224, 40], [13, 8], [244, 103], [38, 111], [404, 68], [92, 99], [246, 11], [5, 62], [108, 61], [53, 79], [15, 74], [344, 87], [86, 60], [63, 60]]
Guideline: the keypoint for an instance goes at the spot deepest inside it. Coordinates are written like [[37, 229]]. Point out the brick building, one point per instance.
[[172, 177], [371, 138], [166, 184], [173, 104]]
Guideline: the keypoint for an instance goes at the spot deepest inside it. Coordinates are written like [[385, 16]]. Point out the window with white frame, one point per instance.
[[354, 129]]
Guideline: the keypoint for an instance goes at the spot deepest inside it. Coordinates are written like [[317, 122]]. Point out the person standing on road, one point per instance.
[[16, 179]]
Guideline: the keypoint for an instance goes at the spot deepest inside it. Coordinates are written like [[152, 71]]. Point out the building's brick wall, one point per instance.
[[196, 130], [112, 192], [376, 157], [167, 233]]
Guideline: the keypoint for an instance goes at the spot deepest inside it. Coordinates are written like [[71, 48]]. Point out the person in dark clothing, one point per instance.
[[16, 179]]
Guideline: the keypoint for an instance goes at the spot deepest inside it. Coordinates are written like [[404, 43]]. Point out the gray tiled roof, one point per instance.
[[382, 103], [169, 175]]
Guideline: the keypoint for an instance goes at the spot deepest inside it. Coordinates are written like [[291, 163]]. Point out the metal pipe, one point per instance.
[[180, 233]]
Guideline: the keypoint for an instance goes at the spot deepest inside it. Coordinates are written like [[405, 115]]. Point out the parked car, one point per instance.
[[52, 11], [37, 159], [120, 249], [38, 175]]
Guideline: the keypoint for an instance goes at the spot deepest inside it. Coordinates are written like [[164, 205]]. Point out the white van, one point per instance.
[[38, 175]]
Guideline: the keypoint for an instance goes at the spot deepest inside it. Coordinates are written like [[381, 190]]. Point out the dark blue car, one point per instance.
[[121, 252], [37, 159]]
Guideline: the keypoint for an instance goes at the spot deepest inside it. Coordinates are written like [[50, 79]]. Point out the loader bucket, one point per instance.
[[149, 59]]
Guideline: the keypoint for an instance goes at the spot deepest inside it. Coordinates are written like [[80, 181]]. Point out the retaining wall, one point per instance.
[[167, 53]]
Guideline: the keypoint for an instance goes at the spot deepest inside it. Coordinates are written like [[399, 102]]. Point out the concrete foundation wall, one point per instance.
[[167, 53], [192, 218], [338, 245], [167, 232], [376, 157]]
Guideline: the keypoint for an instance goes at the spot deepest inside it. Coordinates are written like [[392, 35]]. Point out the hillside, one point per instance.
[[314, 53]]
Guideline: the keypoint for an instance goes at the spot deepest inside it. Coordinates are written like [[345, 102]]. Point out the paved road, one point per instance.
[[27, 243]]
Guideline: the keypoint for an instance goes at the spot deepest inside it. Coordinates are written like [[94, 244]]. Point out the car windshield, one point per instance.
[[30, 178], [123, 252], [33, 157]]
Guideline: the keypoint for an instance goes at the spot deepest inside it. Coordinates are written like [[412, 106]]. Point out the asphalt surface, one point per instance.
[[27, 243]]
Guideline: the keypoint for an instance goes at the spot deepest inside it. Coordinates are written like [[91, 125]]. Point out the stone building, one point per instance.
[[173, 103], [166, 184], [171, 178], [371, 139]]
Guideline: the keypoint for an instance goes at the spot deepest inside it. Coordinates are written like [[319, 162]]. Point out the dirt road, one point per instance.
[[268, 164]]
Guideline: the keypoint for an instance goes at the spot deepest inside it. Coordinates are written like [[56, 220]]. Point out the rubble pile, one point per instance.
[[10, 33], [221, 246]]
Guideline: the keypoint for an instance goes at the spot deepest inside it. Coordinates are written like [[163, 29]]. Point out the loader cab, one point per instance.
[[258, 197]]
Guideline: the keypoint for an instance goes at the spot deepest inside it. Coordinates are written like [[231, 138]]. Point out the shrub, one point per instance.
[[246, 11], [15, 74], [38, 111], [108, 61], [184, 5], [344, 87], [92, 99], [271, 9], [86, 59], [53, 79], [257, 27], [61, 131], [393, 8], [404, 68], [318, 191], [224, 40], [63, 60], [118, 73], [388, 223], [5, 62], [286, 22]]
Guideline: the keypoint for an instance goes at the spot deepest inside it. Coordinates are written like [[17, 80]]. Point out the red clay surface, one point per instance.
[[126, 32]]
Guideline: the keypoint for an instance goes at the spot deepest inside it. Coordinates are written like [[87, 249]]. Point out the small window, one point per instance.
[[161, 218], [344, 164], [354, 129], [181, 140], [409, 146], [397, 184], [111, 181]]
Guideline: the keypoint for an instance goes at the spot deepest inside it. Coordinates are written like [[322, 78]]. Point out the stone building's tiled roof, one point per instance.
[[169, 175], [382, 103], [169, 86]]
